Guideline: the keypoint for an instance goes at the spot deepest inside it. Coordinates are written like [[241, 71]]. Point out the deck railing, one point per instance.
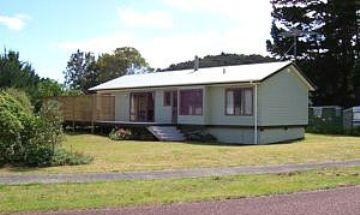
[[86, 108]]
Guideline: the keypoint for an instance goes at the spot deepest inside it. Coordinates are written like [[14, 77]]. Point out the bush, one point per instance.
[[200, 136], [354, 131], [32, 139], [14, 119], [120, 134], [139, 133], [21, 97]]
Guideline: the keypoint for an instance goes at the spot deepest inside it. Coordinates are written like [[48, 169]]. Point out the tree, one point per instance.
[[18, 74], [84, 71], [120, 63], [327, 58], [356, 79], [80, 73], [48, 87]]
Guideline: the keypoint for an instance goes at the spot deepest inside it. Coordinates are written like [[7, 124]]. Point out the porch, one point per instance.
[[100, 110]]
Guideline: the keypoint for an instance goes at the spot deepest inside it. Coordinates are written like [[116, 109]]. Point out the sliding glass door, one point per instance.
[[142, 107]]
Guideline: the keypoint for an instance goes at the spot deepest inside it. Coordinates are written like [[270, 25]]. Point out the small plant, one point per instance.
[[121, 134], [131, 134]]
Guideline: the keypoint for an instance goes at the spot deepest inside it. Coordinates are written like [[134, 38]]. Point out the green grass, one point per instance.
[[112, 156], [141, 192]]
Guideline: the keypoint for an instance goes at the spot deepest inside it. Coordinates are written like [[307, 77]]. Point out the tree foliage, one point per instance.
[[327, 57], [119, 63], [25, 138], [221, 60], [80, 71], [17, 74], [84, 70], [22, 81], [28, 139]]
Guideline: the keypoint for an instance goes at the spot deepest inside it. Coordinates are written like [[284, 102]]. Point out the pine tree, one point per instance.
[[327, 57]]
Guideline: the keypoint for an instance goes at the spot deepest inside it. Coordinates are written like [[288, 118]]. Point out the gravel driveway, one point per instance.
[[330, 202]]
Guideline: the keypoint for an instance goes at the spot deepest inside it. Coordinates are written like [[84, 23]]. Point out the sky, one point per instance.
[[164, 31]]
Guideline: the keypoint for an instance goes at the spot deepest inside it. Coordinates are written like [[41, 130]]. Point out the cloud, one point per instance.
[[247, 28], [99, 44], [16, 22], [251, 13], [161, 51], [150, 19]]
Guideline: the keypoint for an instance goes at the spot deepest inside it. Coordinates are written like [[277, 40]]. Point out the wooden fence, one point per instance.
[[86, 108]]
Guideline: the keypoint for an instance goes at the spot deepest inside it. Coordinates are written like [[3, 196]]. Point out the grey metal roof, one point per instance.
[[212, 75]]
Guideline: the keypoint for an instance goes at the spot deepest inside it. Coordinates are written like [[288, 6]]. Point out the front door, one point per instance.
[[142, 107], [174, 107]]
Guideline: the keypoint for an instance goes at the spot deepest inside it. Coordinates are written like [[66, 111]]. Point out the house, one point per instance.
[[246, 104]]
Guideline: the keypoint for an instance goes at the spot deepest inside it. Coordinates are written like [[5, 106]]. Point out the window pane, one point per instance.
[[248, 102], [229, 102], [191, 102], [167, 98], [237, 101]]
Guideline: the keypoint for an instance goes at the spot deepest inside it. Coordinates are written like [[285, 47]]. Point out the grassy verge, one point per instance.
[[126, 193], [111, 156]]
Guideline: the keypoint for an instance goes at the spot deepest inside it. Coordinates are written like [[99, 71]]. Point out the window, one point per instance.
[[191, 102], [167, 98], [239, 101]]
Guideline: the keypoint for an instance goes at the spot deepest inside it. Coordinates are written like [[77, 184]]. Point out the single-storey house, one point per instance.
[[247, 104]]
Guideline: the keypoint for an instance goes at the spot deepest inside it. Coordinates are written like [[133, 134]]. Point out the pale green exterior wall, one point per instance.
[[283, 99], [233, 135], [265, 136], [215, 108], [121, 105], [275, 135], [162, 113]]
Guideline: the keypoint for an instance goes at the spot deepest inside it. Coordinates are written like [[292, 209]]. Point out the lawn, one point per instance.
[[141, 192], [112, 156]]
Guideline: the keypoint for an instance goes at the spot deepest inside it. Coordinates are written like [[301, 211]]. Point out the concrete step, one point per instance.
[[166, 133]]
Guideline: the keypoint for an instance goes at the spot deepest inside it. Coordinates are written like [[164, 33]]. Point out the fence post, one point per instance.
[[73, 113], [93, 108]]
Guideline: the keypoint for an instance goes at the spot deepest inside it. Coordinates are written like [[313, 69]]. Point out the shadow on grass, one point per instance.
[[296, 141], [20, 169]]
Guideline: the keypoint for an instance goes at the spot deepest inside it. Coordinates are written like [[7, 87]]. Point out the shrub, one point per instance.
[[200, 136], [14, 118], [354, 131], [139, 133], [32, 139], [51, 122], [120, 134], [21, 97]]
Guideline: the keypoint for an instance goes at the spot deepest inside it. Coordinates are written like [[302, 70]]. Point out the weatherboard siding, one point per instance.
[[275, 135], [233, 135], [162, 113], [283, 100], [215, 108], [122, 99]]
